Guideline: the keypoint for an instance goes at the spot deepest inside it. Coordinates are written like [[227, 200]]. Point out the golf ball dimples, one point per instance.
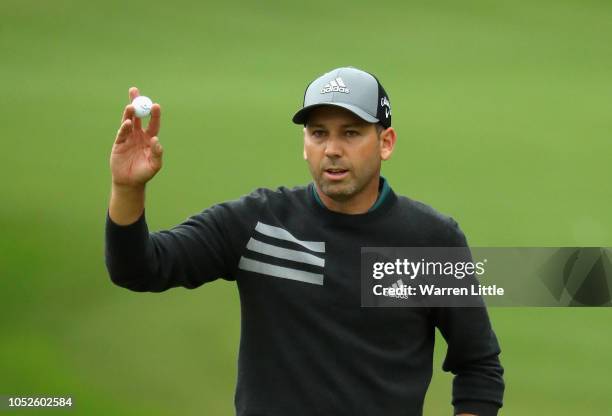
[[142, 106]]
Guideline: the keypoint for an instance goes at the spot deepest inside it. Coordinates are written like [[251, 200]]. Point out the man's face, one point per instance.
[[343, 152]]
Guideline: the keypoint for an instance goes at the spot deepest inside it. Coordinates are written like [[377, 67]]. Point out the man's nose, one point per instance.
[[333, 147]]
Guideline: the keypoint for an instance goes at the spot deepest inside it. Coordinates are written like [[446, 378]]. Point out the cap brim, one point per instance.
[[302, 115]]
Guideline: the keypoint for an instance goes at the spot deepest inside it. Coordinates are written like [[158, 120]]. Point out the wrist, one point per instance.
[[126, 203], [124, 189]]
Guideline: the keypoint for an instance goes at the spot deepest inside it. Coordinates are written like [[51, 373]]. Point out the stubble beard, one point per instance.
[[340, 191]]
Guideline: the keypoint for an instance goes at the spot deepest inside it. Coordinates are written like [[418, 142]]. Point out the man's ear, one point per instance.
[[388, 137]]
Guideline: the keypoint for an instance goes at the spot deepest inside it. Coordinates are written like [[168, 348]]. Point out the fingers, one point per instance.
[[124, 131], [128, 113], [156, 147], [153, 127], [156, 153], [137, 123], [133, 93]]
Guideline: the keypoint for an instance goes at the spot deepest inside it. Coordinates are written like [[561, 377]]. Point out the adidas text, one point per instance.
[[336, 85]]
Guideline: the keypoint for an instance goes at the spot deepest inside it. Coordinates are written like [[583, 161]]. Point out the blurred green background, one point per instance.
[[503, 114]]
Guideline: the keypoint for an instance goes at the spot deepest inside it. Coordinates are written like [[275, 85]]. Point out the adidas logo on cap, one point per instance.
[[336, 85]]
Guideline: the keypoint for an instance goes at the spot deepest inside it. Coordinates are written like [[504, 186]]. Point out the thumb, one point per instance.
[[156, 151]]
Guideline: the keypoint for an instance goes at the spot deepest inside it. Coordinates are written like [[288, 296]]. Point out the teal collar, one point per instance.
[[383, 191]]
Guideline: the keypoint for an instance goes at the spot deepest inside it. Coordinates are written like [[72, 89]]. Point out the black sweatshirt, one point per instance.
[[307, 347]]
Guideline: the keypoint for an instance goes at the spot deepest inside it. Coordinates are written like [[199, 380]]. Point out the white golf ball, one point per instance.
[[142, 106]]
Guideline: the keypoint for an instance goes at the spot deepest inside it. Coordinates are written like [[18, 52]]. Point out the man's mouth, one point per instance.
[[336, 173]]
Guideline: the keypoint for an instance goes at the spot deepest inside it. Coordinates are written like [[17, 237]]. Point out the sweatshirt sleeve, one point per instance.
[[201, 249], [472, 354]]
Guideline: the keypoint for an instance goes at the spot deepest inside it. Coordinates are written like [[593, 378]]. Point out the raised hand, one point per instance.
[[137, 154]]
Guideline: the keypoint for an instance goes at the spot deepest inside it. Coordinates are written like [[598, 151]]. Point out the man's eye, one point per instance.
[[352, 133], [318, 133]]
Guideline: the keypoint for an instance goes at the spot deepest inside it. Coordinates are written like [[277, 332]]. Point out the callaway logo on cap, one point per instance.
[[351, 88]]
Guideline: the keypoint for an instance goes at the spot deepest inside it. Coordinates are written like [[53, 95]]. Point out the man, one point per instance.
[[307, 346]]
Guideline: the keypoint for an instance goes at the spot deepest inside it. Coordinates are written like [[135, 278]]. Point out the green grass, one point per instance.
[[503, 115]]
